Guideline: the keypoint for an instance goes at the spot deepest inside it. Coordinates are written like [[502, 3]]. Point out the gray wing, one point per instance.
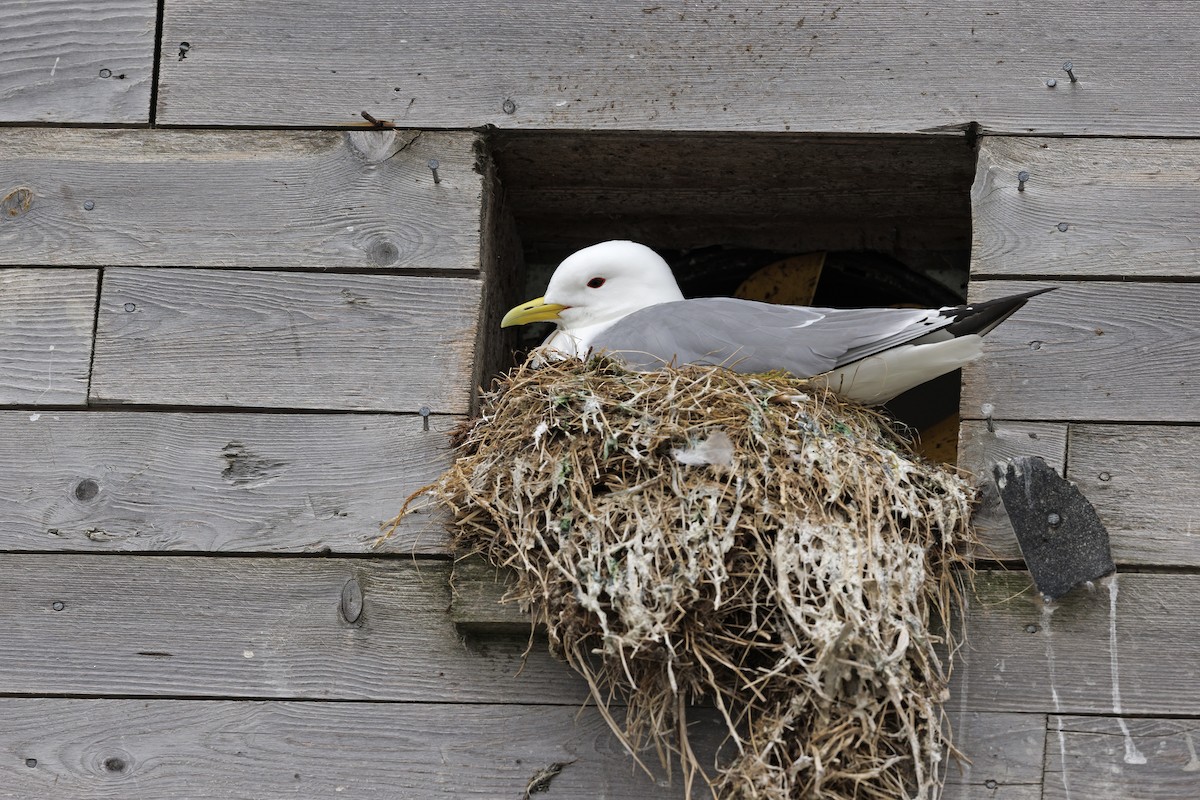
[[750, 337]]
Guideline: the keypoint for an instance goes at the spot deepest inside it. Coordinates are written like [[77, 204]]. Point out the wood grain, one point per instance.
[[268, 483], [859, 66], [1129, 207], [1117, 352], [286, 340], [164, 750], [46, 322], [77, 62], [1096, 763], [1011, 663], [188, 626], [979, 449], [1142, 479], [1005, 752], [359, 200]]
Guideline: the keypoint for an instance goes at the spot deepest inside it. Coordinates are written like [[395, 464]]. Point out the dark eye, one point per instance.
[[595, 283]]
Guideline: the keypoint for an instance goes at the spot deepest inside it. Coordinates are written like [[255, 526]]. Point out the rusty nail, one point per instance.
[[424, 412], [1067, 68], [1022, 177], [433, 165]]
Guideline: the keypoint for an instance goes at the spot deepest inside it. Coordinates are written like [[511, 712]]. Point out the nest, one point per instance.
[[754, 543]]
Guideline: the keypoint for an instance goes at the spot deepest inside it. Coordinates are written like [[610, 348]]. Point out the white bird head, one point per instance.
[[599, 285]]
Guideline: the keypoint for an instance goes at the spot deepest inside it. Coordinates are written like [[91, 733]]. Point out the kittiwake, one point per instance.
[[620, 298]]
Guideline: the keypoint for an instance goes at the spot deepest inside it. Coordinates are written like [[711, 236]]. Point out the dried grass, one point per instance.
[[753, 542]]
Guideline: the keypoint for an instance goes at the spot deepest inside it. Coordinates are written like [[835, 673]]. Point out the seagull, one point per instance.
[[620, 298]]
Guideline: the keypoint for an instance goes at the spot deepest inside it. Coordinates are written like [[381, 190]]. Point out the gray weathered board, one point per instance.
[[858, 66], [286, 339], [1130, 207], [360, 200], [77, 62], [790, 192], [1095, 350], [46, 321], [1141, 479], [165, 749], [168, 749], [1144, 482], [1019, 658], [1104, 762], [186, 626], [272, 483]]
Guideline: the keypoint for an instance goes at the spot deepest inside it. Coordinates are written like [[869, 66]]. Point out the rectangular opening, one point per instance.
[[891, 214]]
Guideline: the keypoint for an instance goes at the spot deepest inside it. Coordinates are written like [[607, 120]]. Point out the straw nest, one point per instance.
[[754, 543]]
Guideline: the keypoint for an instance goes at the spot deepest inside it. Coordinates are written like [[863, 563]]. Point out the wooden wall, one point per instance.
[[225, 301]]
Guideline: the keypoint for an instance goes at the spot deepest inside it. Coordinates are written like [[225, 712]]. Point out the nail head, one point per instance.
[[58, 605], [1053, 519], [130, 308], [1051, 83], [1062, 226], [88, 205], [106, 73], [1105, 476], [509, 107], [31, 762]]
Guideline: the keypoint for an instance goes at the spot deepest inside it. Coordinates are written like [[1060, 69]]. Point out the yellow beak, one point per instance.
[[534, 311]]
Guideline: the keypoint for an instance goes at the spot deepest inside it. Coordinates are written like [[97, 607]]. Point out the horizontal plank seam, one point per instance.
[[464, 274], [288, 699], [105, 407], [333, 555], [489, 129], [1061, 278], [1186, 423]]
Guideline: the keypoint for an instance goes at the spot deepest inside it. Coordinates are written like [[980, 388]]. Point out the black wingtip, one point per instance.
[[981, 318]]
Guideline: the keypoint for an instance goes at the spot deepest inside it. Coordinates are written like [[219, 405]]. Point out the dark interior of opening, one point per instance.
[[891, 214]]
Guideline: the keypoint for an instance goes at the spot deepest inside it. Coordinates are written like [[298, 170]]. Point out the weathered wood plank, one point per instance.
[[46, 322], [980, 448], [1018, 659], [163, 750], [1129, 207], [129, 481], [72, 61], [686, 190], [1103, 763], [858, 66], [1090, 351], [1005, 751], [310, 199], [294, 340], [254, 627], [1143, 480]]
